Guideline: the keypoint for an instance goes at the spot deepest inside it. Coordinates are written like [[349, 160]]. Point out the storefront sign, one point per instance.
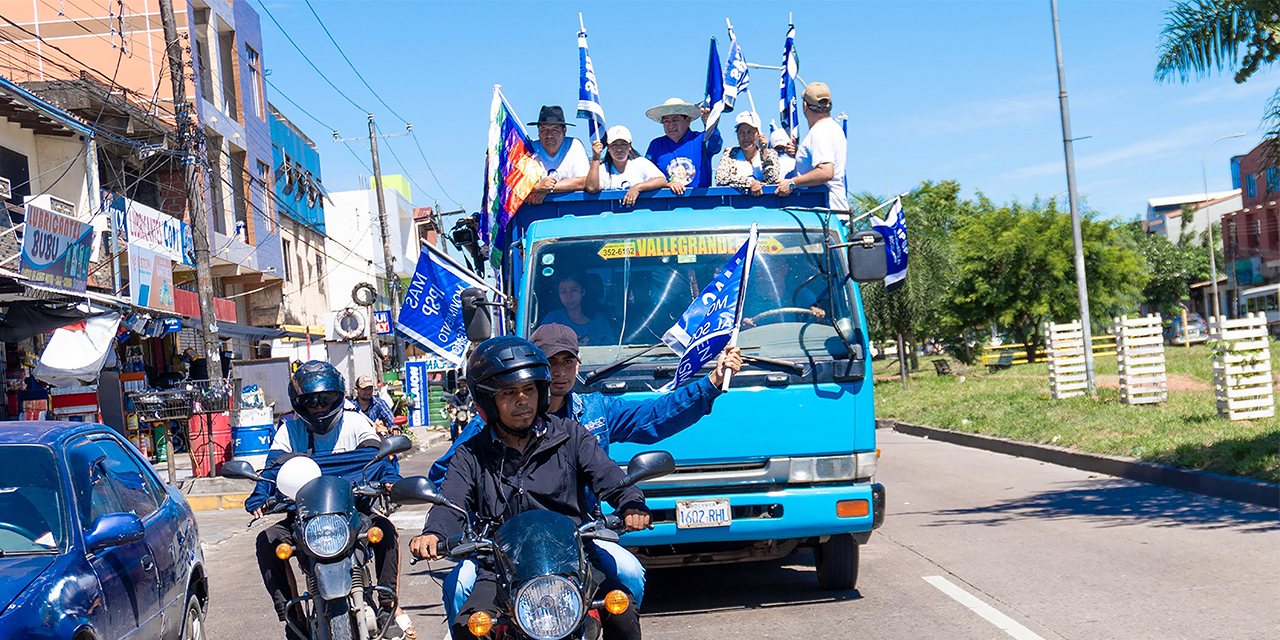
[[382, 322], [150, 279], [55, 250], [142, 226], [172, 325]]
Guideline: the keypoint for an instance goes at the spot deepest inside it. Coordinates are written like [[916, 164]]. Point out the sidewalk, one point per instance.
[[214, 494]]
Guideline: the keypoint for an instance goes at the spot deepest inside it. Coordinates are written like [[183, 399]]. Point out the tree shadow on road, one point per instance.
[[1117, 503], [786, 582]]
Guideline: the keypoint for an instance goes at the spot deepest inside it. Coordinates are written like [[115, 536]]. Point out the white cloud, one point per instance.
[[1228, 92], [981, 114]]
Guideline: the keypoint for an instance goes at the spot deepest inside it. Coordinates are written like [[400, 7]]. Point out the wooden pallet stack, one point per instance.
[[1242, 367], [1065, 344], [1140, 346]]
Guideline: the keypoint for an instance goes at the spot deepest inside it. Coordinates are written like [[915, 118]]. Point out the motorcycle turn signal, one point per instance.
[[479, 624], [616, 602], [284, 551], [374, 535]]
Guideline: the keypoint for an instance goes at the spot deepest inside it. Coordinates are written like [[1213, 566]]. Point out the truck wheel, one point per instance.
[[837, 563]]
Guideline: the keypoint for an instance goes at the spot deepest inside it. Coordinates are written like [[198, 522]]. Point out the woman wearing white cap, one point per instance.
[[751, 164], [623, 168]]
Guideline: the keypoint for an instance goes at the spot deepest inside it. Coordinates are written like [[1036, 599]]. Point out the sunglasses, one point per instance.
[[321, 399]]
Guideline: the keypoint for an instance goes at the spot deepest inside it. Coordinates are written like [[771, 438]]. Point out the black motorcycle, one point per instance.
[[331, 543], [547, 588]]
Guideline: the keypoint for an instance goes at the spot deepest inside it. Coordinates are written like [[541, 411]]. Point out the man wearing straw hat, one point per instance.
[[565, 160], [683, 155]]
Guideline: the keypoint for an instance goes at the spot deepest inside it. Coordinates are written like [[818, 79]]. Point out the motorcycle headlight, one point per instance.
[[326, 535], [548, 607]]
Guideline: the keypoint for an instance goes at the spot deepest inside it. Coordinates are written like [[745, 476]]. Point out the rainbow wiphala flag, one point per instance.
[[511, 170]]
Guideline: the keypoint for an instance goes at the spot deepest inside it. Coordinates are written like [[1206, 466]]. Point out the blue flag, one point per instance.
[[589, 107], [431, 315], [736, 78], [894, 230], [713, 98], [711, 322], [787, 103]]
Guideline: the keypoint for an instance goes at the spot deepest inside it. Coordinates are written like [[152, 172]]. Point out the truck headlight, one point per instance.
[[832, 468]]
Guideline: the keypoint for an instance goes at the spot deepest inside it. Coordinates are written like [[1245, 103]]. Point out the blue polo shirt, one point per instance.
[[688, 157]]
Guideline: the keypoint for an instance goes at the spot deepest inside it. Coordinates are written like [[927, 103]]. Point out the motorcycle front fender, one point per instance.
[[333, 580]]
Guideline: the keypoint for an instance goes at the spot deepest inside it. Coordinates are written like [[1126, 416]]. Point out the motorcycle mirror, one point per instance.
[[392, 445], [416, 490], [239, 469], [474, 316], [647, 466]]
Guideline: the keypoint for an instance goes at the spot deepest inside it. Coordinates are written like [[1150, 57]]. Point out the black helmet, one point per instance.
[[503, 362], [317, 383]]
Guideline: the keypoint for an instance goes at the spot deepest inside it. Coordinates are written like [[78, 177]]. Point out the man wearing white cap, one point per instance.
[[750, 165], [786, 148], [820, 158], [623, 168], [683, 155]]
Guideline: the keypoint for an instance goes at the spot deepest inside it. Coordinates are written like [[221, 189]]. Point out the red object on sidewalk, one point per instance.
[[198, 441]]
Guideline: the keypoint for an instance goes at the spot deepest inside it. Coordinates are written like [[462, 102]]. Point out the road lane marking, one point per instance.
[[411, 520], [988, 612]]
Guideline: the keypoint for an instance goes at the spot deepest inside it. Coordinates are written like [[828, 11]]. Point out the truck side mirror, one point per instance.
[[867, 260], [475, 316]]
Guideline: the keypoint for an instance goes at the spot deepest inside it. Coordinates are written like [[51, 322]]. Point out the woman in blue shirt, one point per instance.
[[592, 328]]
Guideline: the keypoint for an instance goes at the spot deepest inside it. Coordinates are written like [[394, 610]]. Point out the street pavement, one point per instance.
[[976, 545]]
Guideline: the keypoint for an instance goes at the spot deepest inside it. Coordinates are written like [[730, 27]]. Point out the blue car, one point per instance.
[[93, 546]]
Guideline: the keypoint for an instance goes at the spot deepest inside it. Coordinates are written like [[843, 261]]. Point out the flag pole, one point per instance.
[[750, 99], [581, 29], [434, 250], [742, 293], [882, 205]]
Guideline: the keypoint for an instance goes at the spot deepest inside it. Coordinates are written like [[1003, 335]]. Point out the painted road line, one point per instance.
[[409, 520], [1005, 623]]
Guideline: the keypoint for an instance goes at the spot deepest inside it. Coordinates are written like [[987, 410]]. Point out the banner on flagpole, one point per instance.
[[711, 322], [589, 107], [736, 78], [431, 316], [713, 97], [788, 105], [511, 170], [894, 230]]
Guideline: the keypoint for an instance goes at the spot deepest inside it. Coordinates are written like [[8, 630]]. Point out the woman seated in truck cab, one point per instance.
[[579, 313], [623, 167]]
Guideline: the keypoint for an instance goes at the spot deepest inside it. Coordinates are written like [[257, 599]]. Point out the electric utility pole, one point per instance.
[[1082, 288], [388, 259], [208, 331]]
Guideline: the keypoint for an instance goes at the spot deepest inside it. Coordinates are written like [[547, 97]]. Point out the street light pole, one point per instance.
[[1082, 288], [1213, 260]]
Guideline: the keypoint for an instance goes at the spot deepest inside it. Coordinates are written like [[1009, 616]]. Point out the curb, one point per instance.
[[235, 500], [1256, 492]]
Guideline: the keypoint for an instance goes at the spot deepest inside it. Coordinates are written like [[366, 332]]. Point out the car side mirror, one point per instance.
[[240, 470], [416, 490], [392, 445], [475, 316], [867, 260], [647, 466], [113, 530]]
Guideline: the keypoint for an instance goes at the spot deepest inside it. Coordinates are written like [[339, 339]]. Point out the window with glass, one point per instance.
[[107, 480], [255, 82], [32, 505], [621, 294]]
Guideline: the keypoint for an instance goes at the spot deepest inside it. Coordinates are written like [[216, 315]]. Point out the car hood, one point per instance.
[[17, 573]]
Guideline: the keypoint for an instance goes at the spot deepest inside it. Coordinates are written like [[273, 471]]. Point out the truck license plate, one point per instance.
[[693, 514]]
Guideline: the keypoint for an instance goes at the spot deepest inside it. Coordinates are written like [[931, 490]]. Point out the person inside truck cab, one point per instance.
[[785, 288], [579, 312], [623, 169], [565, 159], [821, 156], [682, 155], [610, 419]]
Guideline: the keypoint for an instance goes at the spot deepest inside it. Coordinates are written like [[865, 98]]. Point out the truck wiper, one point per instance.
[[617, 365], [774, 362]]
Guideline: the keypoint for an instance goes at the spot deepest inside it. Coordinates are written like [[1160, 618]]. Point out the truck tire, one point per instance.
[[837, 563]]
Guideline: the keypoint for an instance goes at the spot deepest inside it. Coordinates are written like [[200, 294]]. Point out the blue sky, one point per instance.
[[956, 90]]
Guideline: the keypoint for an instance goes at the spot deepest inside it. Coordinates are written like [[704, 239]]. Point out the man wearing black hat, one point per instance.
[[565, 161]]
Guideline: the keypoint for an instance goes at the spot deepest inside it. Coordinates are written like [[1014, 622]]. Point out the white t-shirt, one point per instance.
[[786, 166], [744, 167], [570, 162], [638, 170], [825, 143], [354, 428]]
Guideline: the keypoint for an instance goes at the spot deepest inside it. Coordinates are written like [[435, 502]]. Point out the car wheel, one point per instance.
[[193, 620], [837, 563]]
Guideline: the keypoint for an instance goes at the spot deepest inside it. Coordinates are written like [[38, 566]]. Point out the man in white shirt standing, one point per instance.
[[565, 160], [821, 156]]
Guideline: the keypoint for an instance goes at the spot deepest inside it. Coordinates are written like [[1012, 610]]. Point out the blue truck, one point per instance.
[[786, 461]]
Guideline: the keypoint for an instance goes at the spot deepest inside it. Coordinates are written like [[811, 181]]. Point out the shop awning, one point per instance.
[[247, 332]]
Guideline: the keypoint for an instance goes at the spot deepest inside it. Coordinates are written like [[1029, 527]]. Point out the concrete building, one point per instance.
[[1168, 217], [355, 241], [121, 46], [299, 201], [1251, 234]]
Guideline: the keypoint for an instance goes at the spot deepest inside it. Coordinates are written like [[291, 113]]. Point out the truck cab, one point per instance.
[[786, 459]]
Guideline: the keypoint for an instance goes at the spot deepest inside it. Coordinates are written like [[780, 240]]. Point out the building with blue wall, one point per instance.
[[299, 203]]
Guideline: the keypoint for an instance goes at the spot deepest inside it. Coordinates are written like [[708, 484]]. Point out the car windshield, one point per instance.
[[31, 500], [621, 294]]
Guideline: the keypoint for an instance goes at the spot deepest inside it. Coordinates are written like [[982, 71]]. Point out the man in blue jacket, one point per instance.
[[609, 419]]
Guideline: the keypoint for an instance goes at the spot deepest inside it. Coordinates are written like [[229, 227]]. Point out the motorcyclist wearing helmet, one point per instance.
[[323, 425], [547, 456]]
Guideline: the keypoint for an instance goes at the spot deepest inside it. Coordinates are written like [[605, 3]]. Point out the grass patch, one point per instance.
[[1186, 431]]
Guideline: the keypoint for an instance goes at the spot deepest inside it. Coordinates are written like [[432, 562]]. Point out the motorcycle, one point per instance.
[[460, 412], [331, 542], [547, 588]]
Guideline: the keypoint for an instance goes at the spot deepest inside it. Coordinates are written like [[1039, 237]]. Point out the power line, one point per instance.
[[349, 64], [433, 171], [296, 105], [408, 175], [308, 59]]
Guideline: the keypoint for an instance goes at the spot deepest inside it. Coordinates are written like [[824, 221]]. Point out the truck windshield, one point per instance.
[[622, 294]]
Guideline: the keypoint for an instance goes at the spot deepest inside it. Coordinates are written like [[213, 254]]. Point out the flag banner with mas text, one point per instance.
[[431, 315]]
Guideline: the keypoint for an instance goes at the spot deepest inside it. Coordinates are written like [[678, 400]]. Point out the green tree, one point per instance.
[[1014, 267]]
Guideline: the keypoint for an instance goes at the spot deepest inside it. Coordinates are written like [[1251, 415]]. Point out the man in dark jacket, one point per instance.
[[525, 460]]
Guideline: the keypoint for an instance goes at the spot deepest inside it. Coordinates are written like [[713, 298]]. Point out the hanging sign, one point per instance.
[[150, 279], [382, 322], [55, 250]]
